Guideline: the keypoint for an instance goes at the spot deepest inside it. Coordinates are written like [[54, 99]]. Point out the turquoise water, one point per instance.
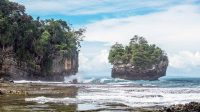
[[166, 82]]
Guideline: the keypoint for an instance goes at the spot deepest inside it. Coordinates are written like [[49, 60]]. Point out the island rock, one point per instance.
[[138, 61]]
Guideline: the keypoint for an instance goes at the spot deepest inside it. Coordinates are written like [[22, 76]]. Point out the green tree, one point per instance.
[[116, 53], [138, 53], [35, 41]]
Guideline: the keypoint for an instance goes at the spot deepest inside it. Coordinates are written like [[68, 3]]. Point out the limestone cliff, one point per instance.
[[130, 72], [13, 69]]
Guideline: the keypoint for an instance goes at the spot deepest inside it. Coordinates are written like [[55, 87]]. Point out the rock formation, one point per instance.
[[131, 73], [189, 107], [12, 69], [138, 61]]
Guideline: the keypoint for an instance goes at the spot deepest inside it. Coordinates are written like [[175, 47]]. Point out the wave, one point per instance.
[[43, 100], [40, 82], [127, 95], [103, 91], [165, 82]]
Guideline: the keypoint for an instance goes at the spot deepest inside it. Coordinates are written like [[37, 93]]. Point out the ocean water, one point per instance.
[[97, 93]]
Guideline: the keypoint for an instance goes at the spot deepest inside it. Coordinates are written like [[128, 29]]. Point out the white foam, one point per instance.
[[104, 79], [41, 82], [88, 80], [128, 95], [43, 100], [70, 79]]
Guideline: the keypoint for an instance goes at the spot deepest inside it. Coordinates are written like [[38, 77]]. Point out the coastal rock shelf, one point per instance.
[[189, 107], [138, 61]]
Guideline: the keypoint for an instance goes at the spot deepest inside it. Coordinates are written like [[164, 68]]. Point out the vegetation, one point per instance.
[[138, 53], [35, 41]]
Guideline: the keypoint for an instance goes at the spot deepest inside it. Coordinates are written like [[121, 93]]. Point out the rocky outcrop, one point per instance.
[[190, 107], [12, 69], [129, 72]]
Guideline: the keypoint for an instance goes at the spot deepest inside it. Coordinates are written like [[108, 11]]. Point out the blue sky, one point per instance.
[[171, 24], [85, 11]]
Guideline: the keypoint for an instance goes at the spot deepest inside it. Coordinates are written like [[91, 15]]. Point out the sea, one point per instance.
[[98, 93]]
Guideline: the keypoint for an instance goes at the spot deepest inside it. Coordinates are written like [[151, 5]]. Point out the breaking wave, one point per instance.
[[103, 91], [127, 95], [164, 82]]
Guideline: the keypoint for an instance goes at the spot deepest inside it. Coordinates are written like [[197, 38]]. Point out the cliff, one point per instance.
[[130, 72], [34, 49], [138, 61], [13, 69]]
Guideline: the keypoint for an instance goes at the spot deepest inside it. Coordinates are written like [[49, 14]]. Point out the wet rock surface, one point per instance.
[[36, 89], [1, 93], [189, 107], [12, 97]]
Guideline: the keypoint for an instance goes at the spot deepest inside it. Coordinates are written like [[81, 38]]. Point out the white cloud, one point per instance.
[[185, 59], [175, 29], [97, 63], [77, 7]]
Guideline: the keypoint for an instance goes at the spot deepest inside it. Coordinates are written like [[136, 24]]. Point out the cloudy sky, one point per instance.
[[174, 25]]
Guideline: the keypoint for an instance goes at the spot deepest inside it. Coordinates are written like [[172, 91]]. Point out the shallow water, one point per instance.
[[103, 95], [108, 95], [18, 104]]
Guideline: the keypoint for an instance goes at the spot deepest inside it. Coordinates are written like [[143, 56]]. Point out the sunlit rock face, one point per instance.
[[62, 66], [129, 72]]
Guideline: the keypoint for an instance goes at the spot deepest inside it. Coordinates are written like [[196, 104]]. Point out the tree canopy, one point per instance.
[[34, 40], [138, 53]]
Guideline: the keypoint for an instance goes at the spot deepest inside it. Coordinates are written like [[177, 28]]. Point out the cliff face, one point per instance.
[[129, 72], [12, 69]]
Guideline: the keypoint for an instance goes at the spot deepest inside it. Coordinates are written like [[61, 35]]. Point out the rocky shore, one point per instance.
[[30, 89], [189, 107], [12, 97]]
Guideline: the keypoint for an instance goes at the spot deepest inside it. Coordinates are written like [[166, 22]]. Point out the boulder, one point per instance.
[[1, 93]]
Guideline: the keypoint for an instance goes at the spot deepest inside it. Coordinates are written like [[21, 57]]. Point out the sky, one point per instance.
[[173, 25]]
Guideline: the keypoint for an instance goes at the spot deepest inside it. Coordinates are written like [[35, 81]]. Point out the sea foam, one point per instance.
[[128, 95]]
